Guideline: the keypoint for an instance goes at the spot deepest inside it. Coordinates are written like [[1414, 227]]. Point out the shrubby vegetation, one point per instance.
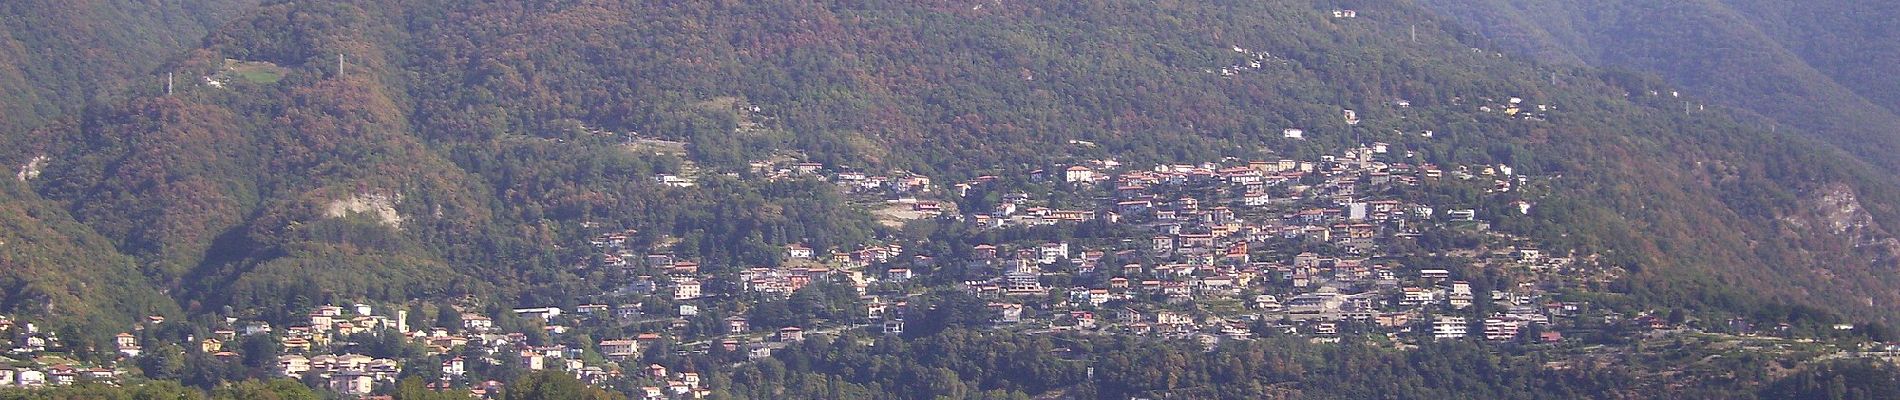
[[964, 364]]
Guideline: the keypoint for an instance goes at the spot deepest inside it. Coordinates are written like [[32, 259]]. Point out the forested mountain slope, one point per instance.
[[1814, 67], [55, 58], [55, 55], [362, 150], [1853, 43]]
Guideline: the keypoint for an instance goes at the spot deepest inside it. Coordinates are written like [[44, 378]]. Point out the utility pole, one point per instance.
[[1414, 33], [168, 84]]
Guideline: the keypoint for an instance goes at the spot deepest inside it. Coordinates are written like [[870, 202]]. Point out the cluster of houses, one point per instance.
[[1138, 195], [347, 374], [857, 182], [899, 184], [309, 350], [658, 273], [1251, 61], [27, 338], [1513, 107], [1198, 248], [56, 375], [671, 385], [1201, 248], [29, 370], [1219, 250], [1299, 246]]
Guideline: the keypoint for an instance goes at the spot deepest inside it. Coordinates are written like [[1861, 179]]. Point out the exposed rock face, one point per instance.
[[1837, 210], [31, 170], [380, 206], [1850, 246]]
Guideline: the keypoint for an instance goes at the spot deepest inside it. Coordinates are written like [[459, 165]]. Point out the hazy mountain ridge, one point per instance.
[[1813, 67]]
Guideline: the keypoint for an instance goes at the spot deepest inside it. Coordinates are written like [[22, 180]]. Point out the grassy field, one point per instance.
[[257, 72]]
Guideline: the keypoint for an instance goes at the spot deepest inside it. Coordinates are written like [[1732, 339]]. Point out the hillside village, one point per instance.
[[935, 200], [1343, 245], [1365, 243]]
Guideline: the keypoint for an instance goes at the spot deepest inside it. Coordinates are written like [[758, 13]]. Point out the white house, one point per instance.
[[352, 384], [542, 313], [477, 323], [293, 366], [455, 367], [1500, 329], [1078, 174], [1048, 253], [797, 252], [1449, 328], [686, 290], [30, 378], [619, 349]]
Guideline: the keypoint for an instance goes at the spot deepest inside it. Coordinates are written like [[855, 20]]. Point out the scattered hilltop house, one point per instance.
[[1446, 328], [1007, 313], [686, 290], [455, 367], [673, 180], [293, 366], [619, 349], [627, 311], [592, 309], [807, 167], [1078, 174], [1291, 133], [737, 325], [296, 345], [128, 345], [1049, 253], [791, 334], [30, 378], [798, 252], [1498, 329], [544, 314], [352, 384], [478, 323], [899, 275]]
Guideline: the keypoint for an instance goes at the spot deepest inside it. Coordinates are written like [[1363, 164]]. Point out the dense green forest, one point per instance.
[[58, 56], [499, 134], [56, 59], [966, 364]]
